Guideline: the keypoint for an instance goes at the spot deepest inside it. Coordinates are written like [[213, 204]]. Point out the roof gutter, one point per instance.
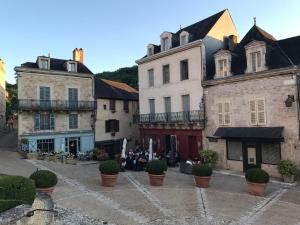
[[171, 51]]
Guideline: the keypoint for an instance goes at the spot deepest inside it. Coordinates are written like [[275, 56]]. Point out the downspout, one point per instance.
[[298, 101], [203, 63]]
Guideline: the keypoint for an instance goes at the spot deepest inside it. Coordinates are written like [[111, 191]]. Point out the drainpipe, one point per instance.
[[298, 101]]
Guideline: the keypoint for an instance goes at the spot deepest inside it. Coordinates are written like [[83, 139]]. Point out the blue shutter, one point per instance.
[[37, 121], [52, 121]]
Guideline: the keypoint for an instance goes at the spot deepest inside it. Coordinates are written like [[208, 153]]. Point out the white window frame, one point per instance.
[[151, 82], [224, 57], [40, 62], [165, 41], [257, 113], [150, 50], [70, 67], [256, 49], [184, 37], [222, 113]]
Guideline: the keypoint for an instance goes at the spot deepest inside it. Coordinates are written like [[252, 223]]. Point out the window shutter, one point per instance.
[[261, 113], [258, 59], [37, 121], [252, 106], [52, 121], [116, 125], [107, 127], [227, 119], [220, 113]]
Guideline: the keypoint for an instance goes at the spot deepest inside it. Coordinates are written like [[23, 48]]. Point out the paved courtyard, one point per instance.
[[79, 197]]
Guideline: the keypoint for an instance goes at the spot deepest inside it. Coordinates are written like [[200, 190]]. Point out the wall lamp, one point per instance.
[[289, 101]]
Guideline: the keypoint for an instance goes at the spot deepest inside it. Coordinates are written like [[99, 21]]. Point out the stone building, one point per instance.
[[251, 93], [2, 94], [116, 104], [56, 105], [170, 77]]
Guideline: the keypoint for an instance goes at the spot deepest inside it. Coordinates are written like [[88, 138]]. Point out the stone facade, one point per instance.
[[2, 94], [238, 91]]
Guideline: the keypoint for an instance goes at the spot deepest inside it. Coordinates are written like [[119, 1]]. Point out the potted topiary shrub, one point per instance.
[[45, 181], [109, 172], [257, 180], [202, 175], [288, 170], [156, 170]]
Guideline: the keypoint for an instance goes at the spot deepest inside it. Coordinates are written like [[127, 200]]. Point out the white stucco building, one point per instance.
[[170, 78]]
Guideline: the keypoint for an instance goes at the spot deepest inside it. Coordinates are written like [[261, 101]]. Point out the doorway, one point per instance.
[[251, 155], [73, 147]]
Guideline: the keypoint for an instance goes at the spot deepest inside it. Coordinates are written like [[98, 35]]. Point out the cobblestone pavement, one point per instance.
[[80, 199]]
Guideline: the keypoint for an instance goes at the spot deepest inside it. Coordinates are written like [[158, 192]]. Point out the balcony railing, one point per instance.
[[172, 117], [56, 105]]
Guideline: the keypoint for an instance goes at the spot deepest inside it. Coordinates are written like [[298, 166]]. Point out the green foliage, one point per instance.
[[44, 178], [208, 156], [12, 99], [287, 168], [15, 190], [109, 167], [157, 167], [202, 170], [257, 175], [128, 75]]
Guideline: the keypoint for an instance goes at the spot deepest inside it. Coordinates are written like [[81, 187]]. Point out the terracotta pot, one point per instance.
[[109, 180], [202, 182], [48, 191], [257, 189], [156, 180]]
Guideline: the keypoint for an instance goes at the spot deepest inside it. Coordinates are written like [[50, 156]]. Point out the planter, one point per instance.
[[108, 180], [202, 182], [288, 179], [156, 180], [257, 189], [32, 155], [48, 191]]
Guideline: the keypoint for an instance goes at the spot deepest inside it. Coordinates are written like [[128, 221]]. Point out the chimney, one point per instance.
[[232, 42], [78, 55]]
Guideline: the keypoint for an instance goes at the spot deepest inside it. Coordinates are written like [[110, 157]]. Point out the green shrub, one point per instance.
[[44, 178], [208, 156], [9, 204], [15, 190], [157, 167], [287, 168], [202, 170], [257, 175], [109, 167]]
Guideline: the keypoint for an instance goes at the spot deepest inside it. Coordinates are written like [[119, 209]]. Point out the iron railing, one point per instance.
[[171, 117], [32, 104]]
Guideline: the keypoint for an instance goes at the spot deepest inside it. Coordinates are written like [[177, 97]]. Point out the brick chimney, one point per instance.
[[78, 55], [232, 42]]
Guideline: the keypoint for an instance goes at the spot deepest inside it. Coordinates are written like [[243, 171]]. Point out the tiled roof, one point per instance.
[[108, 89], [59, 65]]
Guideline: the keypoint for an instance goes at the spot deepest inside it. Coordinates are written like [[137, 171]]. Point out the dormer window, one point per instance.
[[184, 37], [72, 66], [166, 41], [223, 64], [44, 63], [150, 50], [256, 56]]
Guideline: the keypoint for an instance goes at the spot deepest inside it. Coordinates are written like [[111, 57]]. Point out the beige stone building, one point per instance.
[[170, 84], [116, 104], [2, 94], [56, 105], [251, 96]]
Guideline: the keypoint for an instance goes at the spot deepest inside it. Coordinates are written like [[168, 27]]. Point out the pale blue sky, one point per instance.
[[115, 33]]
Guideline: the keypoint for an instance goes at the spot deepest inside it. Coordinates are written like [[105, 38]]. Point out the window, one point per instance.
[[151, 77], [73, 97], [111, 126], [44, 64], [45, 145], [224, 113], [184, 70], [126, 106], [150, 51], [73, 121], [270, 153], [255, 61], [165, 44], [72, 67], [223, 71], [112, 105], [44, 121], [183, 39], [257, 112], [167, 101], [152, 106], [45, 96], [166, 74], [185, 103], [234, 150]]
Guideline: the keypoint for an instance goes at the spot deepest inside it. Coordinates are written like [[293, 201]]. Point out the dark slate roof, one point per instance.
[[250, 132], [280, 54], [106, 91], [59, 65]]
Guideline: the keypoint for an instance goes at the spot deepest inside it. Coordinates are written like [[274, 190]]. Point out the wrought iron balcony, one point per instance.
[[194, 116], [55, 105]]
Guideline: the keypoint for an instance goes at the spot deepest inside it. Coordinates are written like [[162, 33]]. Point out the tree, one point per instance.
[[12, 99]]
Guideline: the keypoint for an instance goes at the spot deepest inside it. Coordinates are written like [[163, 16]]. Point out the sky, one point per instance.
[[115, 33]]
